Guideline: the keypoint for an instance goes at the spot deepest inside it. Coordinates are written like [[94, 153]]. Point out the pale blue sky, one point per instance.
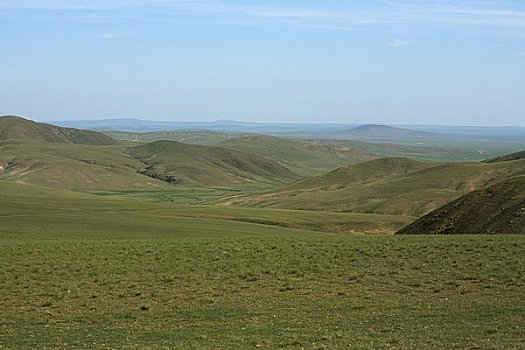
[[391, 61]]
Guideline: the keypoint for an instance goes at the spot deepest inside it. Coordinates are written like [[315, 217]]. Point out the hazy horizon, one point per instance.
[[400, 62]]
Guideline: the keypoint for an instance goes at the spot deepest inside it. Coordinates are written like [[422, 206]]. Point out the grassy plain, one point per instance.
[[85, 271]]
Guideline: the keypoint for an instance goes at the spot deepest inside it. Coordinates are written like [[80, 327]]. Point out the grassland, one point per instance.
[[132, 262], [85, 271]]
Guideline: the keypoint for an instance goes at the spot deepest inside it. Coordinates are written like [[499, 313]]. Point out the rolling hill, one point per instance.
[[177, 162], [17, 128], [303, 157], [507, 157], [385, 186], [306, 158], [499, 208], [71, 166], [46, 155], [159, 165]]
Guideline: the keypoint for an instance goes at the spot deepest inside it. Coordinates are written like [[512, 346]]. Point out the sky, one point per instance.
[[384, 61]]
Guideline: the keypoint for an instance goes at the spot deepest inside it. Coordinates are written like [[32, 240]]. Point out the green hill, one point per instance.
[[45, 155], [304, 157], [499, 208], [158, 165], [507, 157], [17, 128], [385, 186], [71, 166], [362, 173], [206, 165]]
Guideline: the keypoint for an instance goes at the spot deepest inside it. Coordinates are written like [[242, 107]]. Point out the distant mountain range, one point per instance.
[[353, 131], [138, 125]]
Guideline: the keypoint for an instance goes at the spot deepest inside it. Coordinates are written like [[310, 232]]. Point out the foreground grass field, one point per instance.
[[263, 290], [81, 271]]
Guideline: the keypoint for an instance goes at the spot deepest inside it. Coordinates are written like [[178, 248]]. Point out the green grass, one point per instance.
[[269, 290], [60, 214], [82, 271]]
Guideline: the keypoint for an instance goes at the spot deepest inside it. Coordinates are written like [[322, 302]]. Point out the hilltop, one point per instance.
[[499, 208], [17, 128]]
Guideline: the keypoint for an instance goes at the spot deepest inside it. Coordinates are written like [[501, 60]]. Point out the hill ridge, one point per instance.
[[21, 129]]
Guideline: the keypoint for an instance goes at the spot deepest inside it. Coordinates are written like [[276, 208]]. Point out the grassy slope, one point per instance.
[[305, 158], [82, 167], [507, 157], [81, 271], [78, 167], [17, 128], [215, 166], [43, 154], [499, 208], [47, 155], [413, 189], [52, 211]]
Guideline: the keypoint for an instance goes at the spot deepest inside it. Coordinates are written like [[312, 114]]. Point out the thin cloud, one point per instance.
[[398, 43], [509, 15], [114, 35]]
